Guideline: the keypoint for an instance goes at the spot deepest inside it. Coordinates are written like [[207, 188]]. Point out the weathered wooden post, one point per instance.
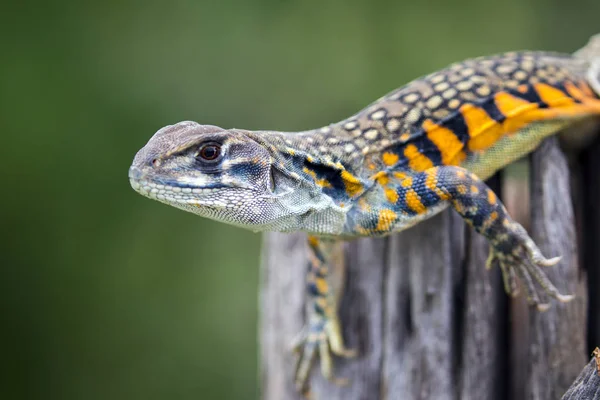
[[428, 320]]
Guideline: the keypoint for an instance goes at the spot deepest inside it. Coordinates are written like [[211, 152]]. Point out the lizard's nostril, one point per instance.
[[156, 162]]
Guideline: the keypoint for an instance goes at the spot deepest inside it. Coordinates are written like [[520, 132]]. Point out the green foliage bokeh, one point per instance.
[[107, 295]]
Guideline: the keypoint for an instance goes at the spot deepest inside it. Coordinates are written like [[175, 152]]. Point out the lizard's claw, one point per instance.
[[524, 261], [322, 336], [548, 262]]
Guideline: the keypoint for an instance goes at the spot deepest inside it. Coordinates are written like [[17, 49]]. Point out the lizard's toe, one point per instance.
[[524, 262], [548, 262], [542, 307], [322, 337]]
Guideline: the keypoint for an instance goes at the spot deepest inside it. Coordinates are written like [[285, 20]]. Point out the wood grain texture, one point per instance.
[[419, 313], [281, 303], [428, 320], [558, 336]]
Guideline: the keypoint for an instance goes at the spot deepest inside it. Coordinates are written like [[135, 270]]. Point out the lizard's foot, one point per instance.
[[322, 336], [524, 260]]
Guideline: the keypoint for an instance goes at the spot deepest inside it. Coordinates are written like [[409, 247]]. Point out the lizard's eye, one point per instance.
[[209, 152]]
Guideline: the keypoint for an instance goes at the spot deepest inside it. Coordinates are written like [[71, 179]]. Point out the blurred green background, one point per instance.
[[108, 295]]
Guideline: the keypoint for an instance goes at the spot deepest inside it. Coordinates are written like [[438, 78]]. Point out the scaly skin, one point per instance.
[[406, 157]]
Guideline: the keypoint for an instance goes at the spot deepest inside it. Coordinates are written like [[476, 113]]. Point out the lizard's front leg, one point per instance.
[[402, 198], [322, 333], [511, 248]]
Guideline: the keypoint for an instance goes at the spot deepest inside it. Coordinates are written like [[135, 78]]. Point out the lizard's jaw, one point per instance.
[[246, 212], [171, 194], [239, 206]]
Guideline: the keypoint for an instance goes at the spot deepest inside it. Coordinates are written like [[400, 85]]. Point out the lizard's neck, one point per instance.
[[314, 173]]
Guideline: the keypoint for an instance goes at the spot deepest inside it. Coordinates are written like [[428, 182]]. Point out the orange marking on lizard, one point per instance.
[[431, 182], [324, 183], [585, 88], [431, 178], [404, 137], [321, 285], [385, 220], [381, 177], [512, 106], [517, 111], [492, 197], [416, 160], [406, 182], [446, 141], [413, 201], [552, 96], [520, 113], [490, 220], [390, 159], [353, 185], [574, 91], [589, 107], [391, 195], [483, 129]]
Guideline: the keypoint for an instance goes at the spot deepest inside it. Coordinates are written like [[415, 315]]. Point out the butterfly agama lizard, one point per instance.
[[406, 157]]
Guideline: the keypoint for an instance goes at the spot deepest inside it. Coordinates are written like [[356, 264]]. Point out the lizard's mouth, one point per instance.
[[169, 191]]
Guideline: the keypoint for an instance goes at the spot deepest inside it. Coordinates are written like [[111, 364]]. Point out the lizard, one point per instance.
[[416, 151]]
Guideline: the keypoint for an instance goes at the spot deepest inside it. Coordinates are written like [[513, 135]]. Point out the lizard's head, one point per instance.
[[220, 174]]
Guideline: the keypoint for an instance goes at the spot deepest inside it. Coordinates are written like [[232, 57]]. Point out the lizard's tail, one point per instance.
[[591, 53]]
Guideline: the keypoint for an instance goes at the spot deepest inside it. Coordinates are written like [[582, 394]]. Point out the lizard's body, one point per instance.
[[406, 157]]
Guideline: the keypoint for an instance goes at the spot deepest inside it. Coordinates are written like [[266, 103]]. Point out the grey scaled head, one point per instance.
[[220, 174]]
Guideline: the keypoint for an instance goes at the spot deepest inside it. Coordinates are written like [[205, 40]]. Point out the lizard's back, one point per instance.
[[464, 114]]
